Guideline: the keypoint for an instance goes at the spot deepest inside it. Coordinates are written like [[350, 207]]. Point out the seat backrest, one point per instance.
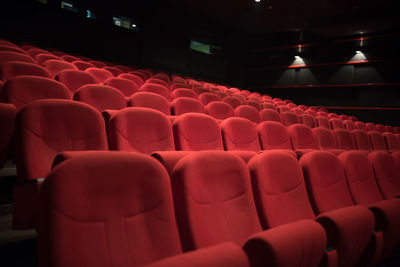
[[323, 122], [371, 127], [182, 105], [55, 66], [197, 131], [42, 58], [158, 81], [307, 120], [391, 141], [381, 128], [14, 56], [219, 110], [125, 86], [361, 140], [279, 189], [270, 115], [301, 137], [135, 78], [75, 79], [22, 90], [183, 92], [140, 129], [101, 75], [254, 103], [206, 98], [233, 101], [114, 70], [377, 141], [273, 135], [343, 139], [248, 112], [289, 118], [332, 115], [157, 89], [46, 127], [360, 125], [324, 138], [11, 69], [87, 218], [70, 58], [336, 123], [83, 65], [349, 125], [97, 63], [7, 117], [240, 134], [326, 181], [149, 100], [360, 178], [211, 189], [386, 173], [101, 97]]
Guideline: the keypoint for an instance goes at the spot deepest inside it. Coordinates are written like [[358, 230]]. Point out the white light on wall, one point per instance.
[[297, 57], [133, 25], [358, 52], [257, 1]]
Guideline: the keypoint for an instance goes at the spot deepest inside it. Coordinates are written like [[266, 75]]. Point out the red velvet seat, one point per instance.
[[248, 112], [6, 56], [361, 140], [391, 141], [22, 90], [377, 141], [140, 129], [182, 105], [196, 131], [9, 48], [149, 100], [125, 86], [270, 115], [381, 128], [307, 120], [336, 123], [134, 78], [83, 65], [97, 63], [114, 70], [343, 139], [234, 102], [352, 226], [75, 79], [34, 51], [370, 127], [101, 75], [301, 138], [70, 58], [240, 134], [360, 125], [206, 98], [183, 92], [55, 66], [325, 140], [43, 129], [157, 89], [268, 105], [101, 97], [42, 58], [255, 104], [158, 81], [322, 122], [219, 110], [11, 69], [349, 125], [289, 118], [273, 135], [7, 117]]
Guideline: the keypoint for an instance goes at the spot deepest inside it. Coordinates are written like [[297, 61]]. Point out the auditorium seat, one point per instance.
[[219, 110], [150, 100], [324, 139], [389, 128], [196, 131], [270, 115], [74, 79], [183, 92], [307, 120], [70, 58], [177, 85], [360, 125], [371, 127], [282, 109], [125, 86], [240, 134], [101, 97], [297, 111], [140, 129], [212, 189], [182, 105], [248, 112], [158, 81], [377, 141], [97, 64], [114, 70], [380, 128], [206, 98], [42, 58], [301, 138], [240, 97], [289, 118], [322, 113], [11, 69], [83, 65], [157, 89], [361, 140], [100, 74], [386, 173], [391, 141], [353, 118], [351, 227], [343, 139], [86, 218], [43, 129], [364, 191], [22, 90], [268, 105], [349, 125], [322, 121], [7, 117], [311, 112], [336, 123], [255, 104], [55, 66], [15, 49], [6, 56], [273, 135], [332, 115], [343, 117], [34, 51], [233, 101]]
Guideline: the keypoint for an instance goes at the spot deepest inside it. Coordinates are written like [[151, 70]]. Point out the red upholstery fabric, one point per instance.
[[97, 64], [377, 141], [333, 115], [13, 56], [307, 120], [115, 71], [150, 100], [389, 128], [206, 98], [4, 47], [297, 111], [219, 110], [343, 117], [86, 218], [240, 97], [140, 129], [311, 112], [158, 81], [361, 140], [289, 118], [125, 86], [391, 141], [255, 104], [169, 158], [212, 190], [324, 138], [7, 117], [360, 125], [381, 128], [70, 58], [248, 112], [101, 97], [55, 66], [273, 135], [74, 79], [371, 127], [196, 131], [234, 102], [349, 125], [268, 105], [101, 75], [343, 139], [336, 123], [270, 115], [240, 134], [386, 173], [22, 90], [301, 137], [157, 89], [279, 190], [183, 92], [83, 65], [222, 255], [34, 51], [11, 69], [42, 58], [322, 122], [182, 105], [282, 109], [134, 78]]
